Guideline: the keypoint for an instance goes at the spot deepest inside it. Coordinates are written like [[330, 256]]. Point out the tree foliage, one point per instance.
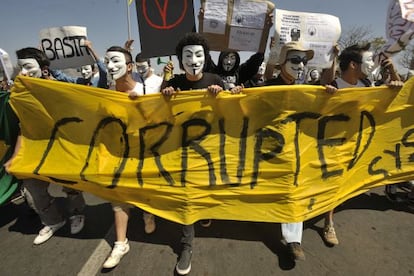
[[355, 35], [407, 57]]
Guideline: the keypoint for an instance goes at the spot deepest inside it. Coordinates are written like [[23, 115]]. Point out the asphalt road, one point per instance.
[[376, 238]]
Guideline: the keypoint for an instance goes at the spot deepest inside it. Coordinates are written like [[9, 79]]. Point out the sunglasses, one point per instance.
[[297, 60]]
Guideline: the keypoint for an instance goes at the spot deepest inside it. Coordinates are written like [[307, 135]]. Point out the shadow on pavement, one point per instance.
[[169, 233], [99, 218]]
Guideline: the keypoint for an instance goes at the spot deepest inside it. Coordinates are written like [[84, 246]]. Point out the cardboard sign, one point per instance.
[[160, 28], [65, 48], [236, 25]]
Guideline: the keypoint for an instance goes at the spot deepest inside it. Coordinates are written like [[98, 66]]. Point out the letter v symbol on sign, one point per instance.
[[163, 12]]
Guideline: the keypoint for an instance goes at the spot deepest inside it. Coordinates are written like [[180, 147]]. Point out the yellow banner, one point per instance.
[[271, 154]]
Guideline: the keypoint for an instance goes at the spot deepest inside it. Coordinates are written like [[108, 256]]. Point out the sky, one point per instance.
[[107, 24]]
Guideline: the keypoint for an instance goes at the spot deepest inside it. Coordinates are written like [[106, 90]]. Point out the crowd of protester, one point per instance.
[[119, 72]]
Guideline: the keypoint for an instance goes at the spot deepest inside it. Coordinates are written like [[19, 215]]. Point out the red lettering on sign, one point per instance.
[[163, 15]]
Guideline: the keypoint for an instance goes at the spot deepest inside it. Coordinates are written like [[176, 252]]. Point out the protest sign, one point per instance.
[[272, 154], [236, 25], [399, 32], [6, 65], [160, 27], [407, 9], [65, 48], [315, 31]]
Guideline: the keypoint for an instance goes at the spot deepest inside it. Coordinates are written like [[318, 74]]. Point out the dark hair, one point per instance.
[[140, 58], [35, 53], [352, 53], [191, 39], [128, 56]]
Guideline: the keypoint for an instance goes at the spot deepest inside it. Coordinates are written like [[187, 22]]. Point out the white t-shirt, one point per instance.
[[139, 88], [343, 84], [152, 83]]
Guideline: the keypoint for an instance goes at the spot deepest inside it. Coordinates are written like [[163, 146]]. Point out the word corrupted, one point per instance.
[[258, 154]]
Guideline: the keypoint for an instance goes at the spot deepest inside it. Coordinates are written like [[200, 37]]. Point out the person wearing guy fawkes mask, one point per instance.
[[292, 63], [258, 79], [193, 53], [356, 64], [235, 74], [119, 65], [34, 63], [92, 74], [145, 75]]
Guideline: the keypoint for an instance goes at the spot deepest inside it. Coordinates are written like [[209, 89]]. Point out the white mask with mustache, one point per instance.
[[295, 70], [193, 59], [115, 64]]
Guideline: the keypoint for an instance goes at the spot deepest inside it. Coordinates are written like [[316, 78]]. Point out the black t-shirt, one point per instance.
[[181, 82]]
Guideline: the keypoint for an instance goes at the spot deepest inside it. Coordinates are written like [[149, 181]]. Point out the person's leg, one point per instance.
[[149, 221], [121, 247], [76, 204], [411, 194], [292, 233], [184, 262], [121, 217], [410, 197], [329, 233], [76, 201], [37, 196], [391, 192]]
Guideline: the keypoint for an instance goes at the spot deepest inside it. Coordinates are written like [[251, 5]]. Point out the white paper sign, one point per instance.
[[64, 46], [6, 64], [249, 14], [215, 14], [315, 31], [399, 31], [244, 39], [407, 9]]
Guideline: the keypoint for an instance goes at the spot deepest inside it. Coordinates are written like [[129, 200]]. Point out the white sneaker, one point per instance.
[[76, 223], [149, 223], [47, 232], [119, 250]]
